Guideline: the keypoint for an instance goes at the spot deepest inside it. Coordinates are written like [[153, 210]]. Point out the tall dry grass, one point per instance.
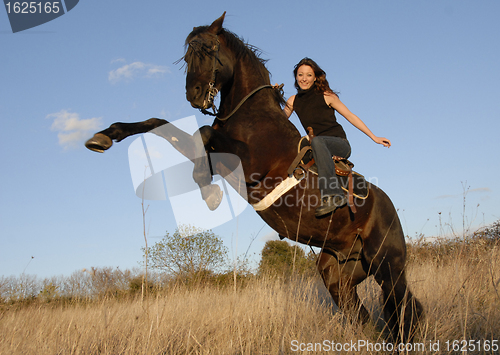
[[458, 284], [261, 318], [459, 292]]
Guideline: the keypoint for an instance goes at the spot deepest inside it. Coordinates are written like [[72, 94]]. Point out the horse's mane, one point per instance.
[[237, 45], [242, 49]]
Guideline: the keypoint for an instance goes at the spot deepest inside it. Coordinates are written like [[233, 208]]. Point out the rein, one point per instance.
[[242, 102]]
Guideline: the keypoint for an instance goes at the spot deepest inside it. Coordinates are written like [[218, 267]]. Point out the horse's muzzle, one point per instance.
[[196, 95], [202, 99]]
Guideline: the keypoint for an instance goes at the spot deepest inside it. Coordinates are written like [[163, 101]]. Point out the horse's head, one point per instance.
[[209, 65]]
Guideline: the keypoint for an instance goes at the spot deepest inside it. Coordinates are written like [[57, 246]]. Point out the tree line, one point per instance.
[[188, 257]]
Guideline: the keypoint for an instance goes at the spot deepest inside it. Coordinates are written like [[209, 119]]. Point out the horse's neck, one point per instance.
[[244, 81], [264, 107]]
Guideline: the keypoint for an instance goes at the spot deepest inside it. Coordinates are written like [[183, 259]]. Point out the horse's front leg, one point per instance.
[[118, 131], [179, 139], [210, 162], [203, 172]]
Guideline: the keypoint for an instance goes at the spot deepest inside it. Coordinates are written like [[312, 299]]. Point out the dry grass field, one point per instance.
[[457, 283]]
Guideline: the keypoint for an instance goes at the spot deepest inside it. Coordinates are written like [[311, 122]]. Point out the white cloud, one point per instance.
[[136, 70], [118, 60], [72, 130]]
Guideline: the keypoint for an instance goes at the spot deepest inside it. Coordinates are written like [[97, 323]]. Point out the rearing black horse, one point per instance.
[[251, 125]]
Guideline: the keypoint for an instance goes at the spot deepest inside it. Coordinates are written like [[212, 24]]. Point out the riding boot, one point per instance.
[[330, 204]]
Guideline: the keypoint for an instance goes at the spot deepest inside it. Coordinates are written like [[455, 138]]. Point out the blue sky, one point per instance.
[[424, 74]]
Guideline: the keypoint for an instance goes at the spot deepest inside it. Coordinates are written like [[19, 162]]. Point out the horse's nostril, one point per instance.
[[193, 93]]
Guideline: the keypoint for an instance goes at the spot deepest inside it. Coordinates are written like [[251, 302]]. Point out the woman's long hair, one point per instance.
[[321, 83]]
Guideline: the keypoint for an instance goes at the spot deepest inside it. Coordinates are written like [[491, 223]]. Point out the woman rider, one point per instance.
[[315, 104]]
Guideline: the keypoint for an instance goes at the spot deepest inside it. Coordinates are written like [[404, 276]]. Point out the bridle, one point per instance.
[[212, 91]]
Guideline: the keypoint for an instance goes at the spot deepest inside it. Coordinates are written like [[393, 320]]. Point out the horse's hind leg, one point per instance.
[[401, 309], [386, 263], [384, 252], [340, 278]]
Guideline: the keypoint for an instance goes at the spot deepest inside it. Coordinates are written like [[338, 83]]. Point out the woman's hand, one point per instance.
[[384, 141]]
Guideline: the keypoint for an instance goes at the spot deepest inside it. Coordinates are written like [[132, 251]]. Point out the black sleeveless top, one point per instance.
[[314, 112]]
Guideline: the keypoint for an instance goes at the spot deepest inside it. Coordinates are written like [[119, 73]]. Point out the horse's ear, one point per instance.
[[216, 26]]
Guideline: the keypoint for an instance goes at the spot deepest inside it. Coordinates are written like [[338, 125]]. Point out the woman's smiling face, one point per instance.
[[305, 77]]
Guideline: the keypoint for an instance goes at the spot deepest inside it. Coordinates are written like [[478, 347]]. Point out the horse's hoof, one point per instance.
[[99, 143], [215, 198]]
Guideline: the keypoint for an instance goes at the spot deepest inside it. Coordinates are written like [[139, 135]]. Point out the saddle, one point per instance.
[[352, 183]]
